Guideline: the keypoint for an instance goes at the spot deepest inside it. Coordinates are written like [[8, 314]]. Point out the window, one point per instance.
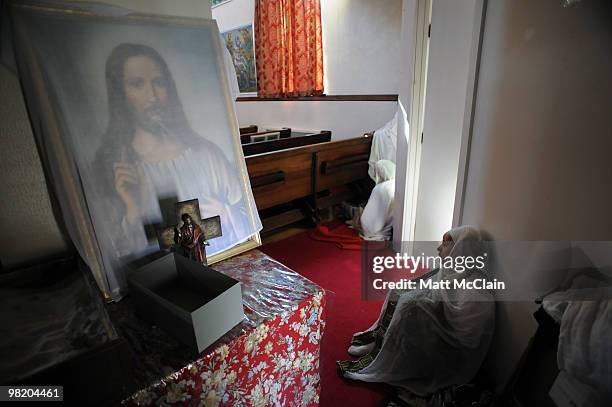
[[289, 51]]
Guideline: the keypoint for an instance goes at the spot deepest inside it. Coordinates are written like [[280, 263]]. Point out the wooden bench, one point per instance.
[[285, 143], [248, 129], [308, 178], [246, 138]]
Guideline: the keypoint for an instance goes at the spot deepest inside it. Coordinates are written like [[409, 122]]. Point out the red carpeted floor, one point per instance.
[[338, 271]]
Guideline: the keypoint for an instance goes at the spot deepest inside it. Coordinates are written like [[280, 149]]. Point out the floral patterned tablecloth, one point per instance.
[[270, 359]]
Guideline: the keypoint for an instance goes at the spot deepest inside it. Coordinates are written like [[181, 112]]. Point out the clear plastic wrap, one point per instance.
[[269, 290]]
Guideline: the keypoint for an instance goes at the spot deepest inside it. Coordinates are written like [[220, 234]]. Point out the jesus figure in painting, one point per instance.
[[149, 152]]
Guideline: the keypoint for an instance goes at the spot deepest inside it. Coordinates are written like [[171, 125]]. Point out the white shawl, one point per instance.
[[377, 218], [436, 338]]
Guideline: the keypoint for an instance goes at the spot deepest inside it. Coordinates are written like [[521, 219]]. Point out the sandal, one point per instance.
[[365, 338], [353, 366]]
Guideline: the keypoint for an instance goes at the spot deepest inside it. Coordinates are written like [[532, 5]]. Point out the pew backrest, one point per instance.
[[279, 177]]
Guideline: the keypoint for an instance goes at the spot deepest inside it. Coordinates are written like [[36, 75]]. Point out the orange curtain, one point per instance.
[[288, 48]]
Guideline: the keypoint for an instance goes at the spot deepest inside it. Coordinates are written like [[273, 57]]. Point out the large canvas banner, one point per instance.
[[141, 108]]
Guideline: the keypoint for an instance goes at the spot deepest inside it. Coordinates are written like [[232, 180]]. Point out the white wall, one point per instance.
[[183, 8], [539, 163], [234, 13], [451, 42], [361, 44], [344, 119], [360, 40]]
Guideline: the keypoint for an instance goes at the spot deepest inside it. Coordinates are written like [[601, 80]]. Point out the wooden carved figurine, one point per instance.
[[191, 239]]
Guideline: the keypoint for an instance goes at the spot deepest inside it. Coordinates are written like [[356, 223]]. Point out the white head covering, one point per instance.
[[465, 232], [376, 220], [384, 170], [466, 311], [467, 242]]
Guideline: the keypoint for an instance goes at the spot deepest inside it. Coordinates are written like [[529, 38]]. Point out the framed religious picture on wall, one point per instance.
[[239, 43], [131, 111], [215, 3]]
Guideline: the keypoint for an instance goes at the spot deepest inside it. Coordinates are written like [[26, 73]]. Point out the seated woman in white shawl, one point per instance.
[[376, 220], [427, 339]]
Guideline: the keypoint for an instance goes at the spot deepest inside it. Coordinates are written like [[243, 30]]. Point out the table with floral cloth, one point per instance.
[[271, 358]]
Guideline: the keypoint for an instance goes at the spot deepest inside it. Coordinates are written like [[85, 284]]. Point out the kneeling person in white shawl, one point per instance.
[[376, 220], [429, 339]]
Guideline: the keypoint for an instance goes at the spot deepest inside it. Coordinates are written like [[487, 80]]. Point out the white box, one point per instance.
[[194, 303]]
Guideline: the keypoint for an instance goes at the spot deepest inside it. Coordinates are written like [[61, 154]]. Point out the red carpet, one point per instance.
[[338, 271]]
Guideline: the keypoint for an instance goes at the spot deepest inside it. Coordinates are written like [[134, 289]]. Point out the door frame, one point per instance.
[[414, 98]]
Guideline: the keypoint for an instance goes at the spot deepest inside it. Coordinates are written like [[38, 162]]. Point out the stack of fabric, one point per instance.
[[339, 234]]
